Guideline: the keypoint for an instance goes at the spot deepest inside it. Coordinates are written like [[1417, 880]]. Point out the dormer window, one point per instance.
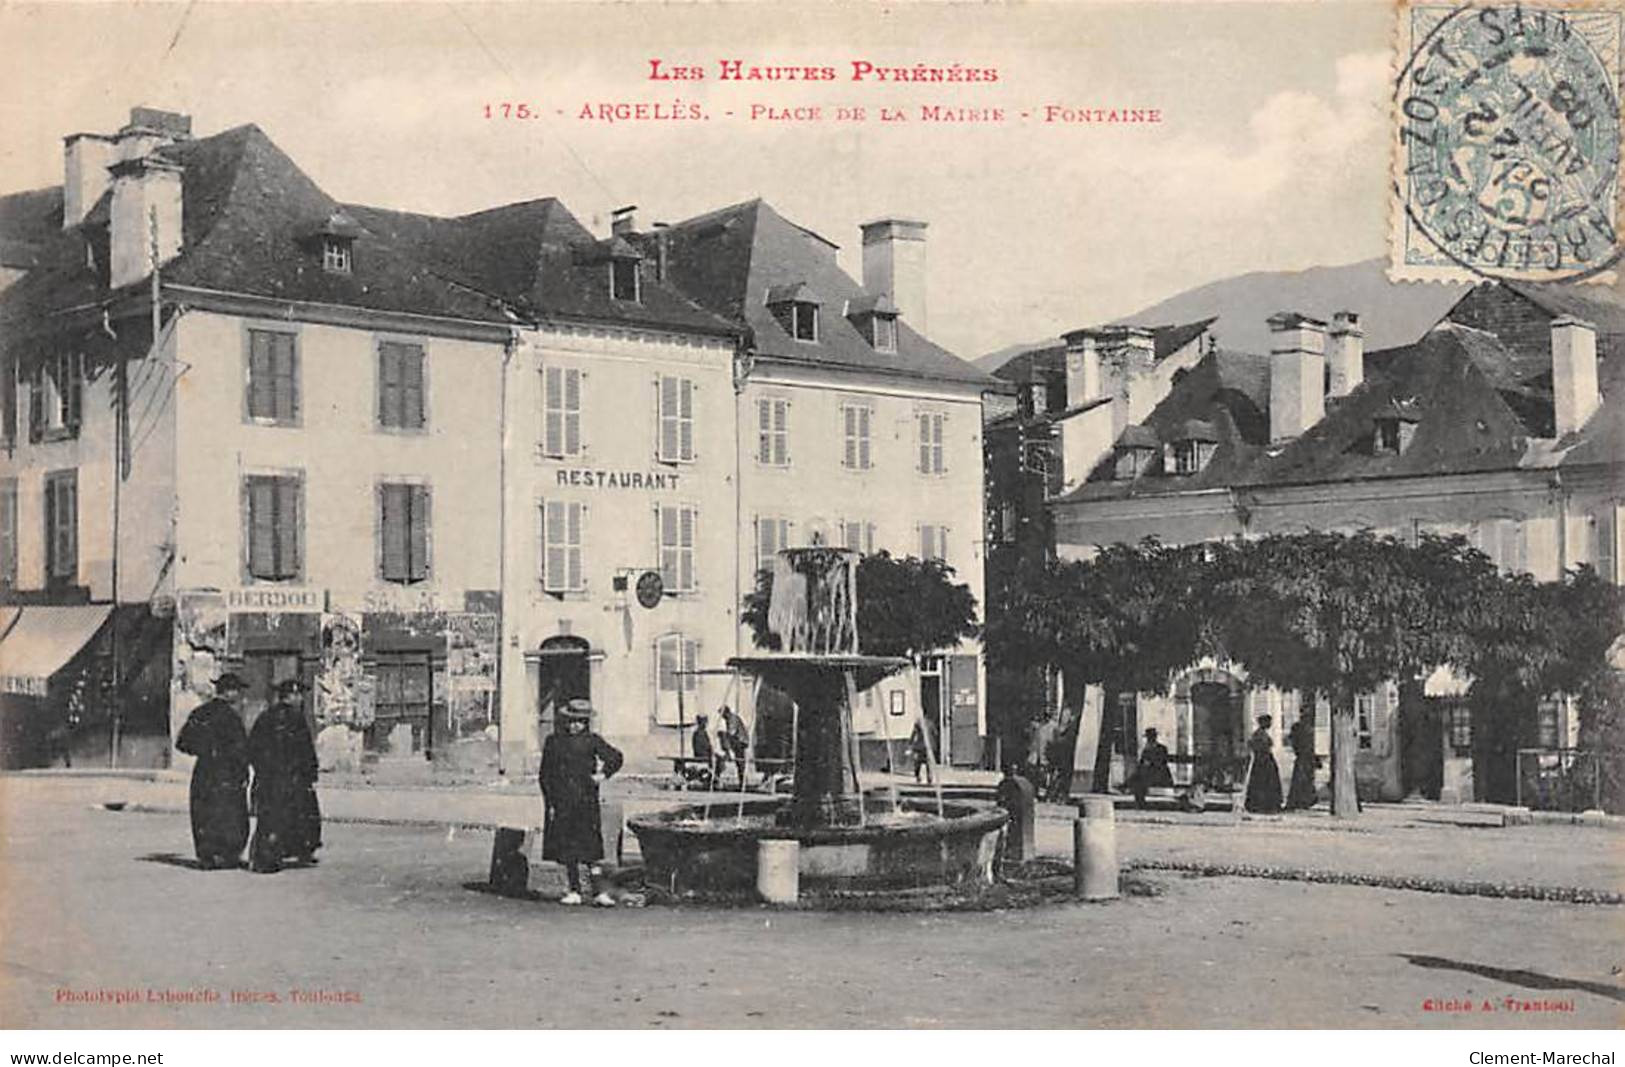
[[796, 309], [1194, 447], [1134, 453], [336, 254], [876, 318], [884, 333], [1392, 429], [623, 280]]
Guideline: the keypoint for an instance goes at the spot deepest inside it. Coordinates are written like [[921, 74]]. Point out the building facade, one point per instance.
[[1500, 424], [449, 471]]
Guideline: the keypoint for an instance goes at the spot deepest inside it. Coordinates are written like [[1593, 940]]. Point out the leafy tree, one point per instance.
[[906, 607]]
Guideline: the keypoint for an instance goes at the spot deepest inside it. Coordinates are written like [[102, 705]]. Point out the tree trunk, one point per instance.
[[1345, 799], [1064, 745]]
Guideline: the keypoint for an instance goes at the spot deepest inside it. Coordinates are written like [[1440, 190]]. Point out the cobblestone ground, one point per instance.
[[94, 899]]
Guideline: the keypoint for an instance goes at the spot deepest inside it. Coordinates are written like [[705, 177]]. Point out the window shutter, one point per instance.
[[573, 533], [1604, 530], [36, 404], [412, 408], [849, 429], [552, 416], [686, 420], [764, 434], [668, 418], [925, 444], [289, 528], [689, 520], [261, 528], [572, 412], [389, 386], [418, 565], [668, 547], [554, 569], [286, 402], [73, 390], [393, 524], [781, 434], [260, 393]]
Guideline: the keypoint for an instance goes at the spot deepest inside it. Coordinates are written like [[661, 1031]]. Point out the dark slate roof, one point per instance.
[[1601, 305], [1226, 392], [537, 258], [1473, 402], [729, 260], [28, 222], [1044, 361], [252, 218]]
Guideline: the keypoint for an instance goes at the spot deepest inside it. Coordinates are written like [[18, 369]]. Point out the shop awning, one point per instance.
[[42, 641]]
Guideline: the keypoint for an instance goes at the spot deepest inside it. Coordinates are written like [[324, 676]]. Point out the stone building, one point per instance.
[[1502, 423]]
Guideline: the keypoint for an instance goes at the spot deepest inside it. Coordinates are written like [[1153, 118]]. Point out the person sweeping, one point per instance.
[[574, 761]]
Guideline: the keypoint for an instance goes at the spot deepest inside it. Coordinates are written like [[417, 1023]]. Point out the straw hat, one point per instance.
[[578, 708]]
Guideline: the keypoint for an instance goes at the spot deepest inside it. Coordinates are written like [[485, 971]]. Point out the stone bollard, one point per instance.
[[1016, 796], [778, 870], [1094, 850], [510, 861]]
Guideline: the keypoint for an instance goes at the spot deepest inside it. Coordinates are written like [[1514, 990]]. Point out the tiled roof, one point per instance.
[[731, 259], [28, 221], [1601, 305]]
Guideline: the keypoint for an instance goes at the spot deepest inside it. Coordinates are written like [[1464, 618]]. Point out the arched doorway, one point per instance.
[[1211, 705], [563, 674]]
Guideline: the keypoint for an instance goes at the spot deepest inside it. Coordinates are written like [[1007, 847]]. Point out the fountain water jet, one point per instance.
[[849, 839]]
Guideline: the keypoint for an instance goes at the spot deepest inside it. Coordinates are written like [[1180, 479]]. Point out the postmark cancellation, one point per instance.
[[1506, 142]]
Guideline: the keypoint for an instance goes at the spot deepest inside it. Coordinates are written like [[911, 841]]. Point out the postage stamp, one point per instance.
[[1506, 142]]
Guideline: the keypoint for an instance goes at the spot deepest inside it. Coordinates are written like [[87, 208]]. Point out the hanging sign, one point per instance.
[[651, 590]]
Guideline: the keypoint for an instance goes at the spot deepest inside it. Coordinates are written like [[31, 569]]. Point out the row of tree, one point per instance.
[[1321, 613]]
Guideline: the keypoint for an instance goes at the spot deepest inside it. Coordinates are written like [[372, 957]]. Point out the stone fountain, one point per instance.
[[850, 839]]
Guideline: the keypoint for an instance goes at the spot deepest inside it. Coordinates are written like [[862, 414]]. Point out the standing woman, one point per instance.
[[219, 795], [574, 761], [1264, 783], [284, 760]]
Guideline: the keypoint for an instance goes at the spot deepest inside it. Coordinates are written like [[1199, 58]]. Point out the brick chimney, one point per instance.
[[1574, 373], [894, 265], [623, 220], [1345, 354], [85, 159], [1297, 374]]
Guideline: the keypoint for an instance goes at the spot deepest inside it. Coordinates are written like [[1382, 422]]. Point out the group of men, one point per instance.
[[281, 755], [733, 742]]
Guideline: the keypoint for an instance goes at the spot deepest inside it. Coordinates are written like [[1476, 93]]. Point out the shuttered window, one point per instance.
[[56, 398], [273, 376], [275, 533], [676, 658], [1604, 544], [859, 536], [933, 542], [8, 401], [404, 522], [400, 386], [561, 411], [62, 527], [930, 426], [856, 419], [773, 431], [8, 533], [561, 525], [676, 416], [771, 536], [678, 531]]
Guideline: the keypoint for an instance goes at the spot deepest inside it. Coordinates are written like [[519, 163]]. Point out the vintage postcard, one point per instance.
[[813, 515]]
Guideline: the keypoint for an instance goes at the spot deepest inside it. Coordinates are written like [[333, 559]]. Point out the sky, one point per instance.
[[1271, 153]]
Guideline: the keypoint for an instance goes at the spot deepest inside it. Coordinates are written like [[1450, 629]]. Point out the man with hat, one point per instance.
[[1152, 769], [219, 796], [574, 761], [288, 818]]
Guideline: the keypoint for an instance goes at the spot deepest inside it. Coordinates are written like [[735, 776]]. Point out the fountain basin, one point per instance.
[[710, 850]]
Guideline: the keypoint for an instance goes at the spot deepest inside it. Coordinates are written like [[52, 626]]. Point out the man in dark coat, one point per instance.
[[219, 797], [574, 760], [735, 739], [703, 750], [280, 749], [1152, 770]]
